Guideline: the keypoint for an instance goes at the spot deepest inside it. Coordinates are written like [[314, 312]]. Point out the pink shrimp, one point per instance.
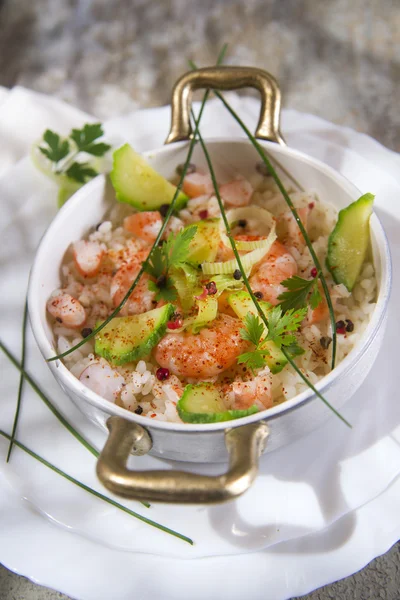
[[274, 268], [237, 192], [88, 257], [144, 225], [206, 354], [66, 310], [243, 394], [141, 299], [197, 184]]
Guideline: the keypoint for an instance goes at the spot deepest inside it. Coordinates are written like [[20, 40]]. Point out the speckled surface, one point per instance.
[[336, 59]]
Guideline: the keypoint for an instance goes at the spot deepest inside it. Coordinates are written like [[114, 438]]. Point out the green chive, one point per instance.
[[21, 379], [95, 493], [246, 281], [286, 196]]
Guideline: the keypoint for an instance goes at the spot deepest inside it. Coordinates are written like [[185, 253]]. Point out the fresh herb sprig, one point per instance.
[[64, 152], [94, 492], [279, 326], [247, 284], [301, 292], [253, 332], [173, 254], [289, 202], [171, 209]]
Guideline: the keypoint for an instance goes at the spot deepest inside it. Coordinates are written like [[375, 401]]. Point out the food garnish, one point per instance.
[[244, 275], [169, 259], [300, 293], [63, 158], [289, 202], [279, 326], [349, 241]]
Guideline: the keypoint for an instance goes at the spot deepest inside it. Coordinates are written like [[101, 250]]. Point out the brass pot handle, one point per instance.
[[226, 78], [244, 445]]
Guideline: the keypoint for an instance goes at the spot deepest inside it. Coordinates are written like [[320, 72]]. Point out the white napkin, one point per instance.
[[301, 488]]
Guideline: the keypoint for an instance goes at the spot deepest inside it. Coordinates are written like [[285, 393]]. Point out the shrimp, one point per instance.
[[66, 309], [205, 354], [141, 299], [88, 257], [144, 225], [277, 266], [103, 380], [197, 184], [237, 192], [243, 394]]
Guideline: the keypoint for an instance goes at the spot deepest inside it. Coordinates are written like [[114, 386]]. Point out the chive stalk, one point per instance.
[[94, 492], [21, 379], [289, 202], [247, 283]]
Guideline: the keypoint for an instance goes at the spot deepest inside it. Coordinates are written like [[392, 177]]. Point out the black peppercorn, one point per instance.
[[258, 295], [138, 410], [237, 274], [163, 209], [86, 331]]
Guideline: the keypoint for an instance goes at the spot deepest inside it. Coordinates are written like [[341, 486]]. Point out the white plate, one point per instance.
[[302, 495]]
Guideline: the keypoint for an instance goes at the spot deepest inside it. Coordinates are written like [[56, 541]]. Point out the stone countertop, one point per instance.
[[336, 59]]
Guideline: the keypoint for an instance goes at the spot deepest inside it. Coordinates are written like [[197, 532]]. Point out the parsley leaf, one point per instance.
[[171, 255], [253, 360], [85, 137], [279, 325], [298, 292], [165, 292], [157, 265], [177, 246], [254, 329], [81, 172], [57, 149], [280, 332]]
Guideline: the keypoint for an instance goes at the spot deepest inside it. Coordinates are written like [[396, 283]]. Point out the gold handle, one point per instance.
[[244, 445], [226, 78]]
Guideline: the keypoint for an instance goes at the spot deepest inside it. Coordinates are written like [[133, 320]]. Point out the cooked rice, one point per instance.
[[158, 400]]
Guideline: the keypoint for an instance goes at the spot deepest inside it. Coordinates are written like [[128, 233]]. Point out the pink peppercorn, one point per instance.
[[162, 374], [311, 205], [211, 288], [341, 327], [203, 214], [313, 272], [175, 324]]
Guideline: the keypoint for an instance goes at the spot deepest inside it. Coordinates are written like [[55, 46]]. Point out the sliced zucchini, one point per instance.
[[203, 403], [241, 303], [137, 183], [204, 245], [126, 339], [349, 241]]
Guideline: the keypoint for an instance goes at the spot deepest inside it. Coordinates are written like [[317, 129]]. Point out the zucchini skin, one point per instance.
[[139, 351]]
